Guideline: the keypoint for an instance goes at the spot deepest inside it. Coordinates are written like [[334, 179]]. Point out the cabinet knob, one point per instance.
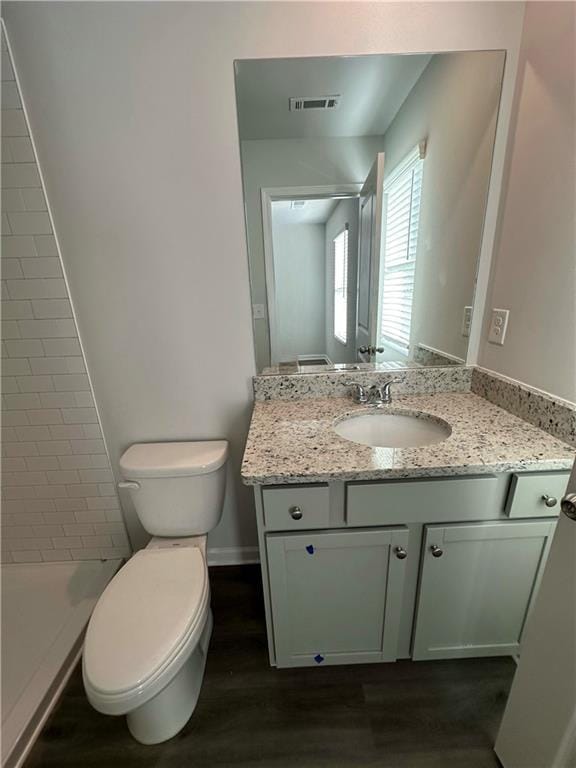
[[436, 551], [550, 501], [295, 513], [569, 505], [401, 553]]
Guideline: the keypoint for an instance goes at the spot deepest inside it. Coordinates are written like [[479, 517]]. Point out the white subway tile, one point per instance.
[[42, 463], [50, 308], [63, 476], [27, 518], [9, 385], [62, 518], [85, 461], [41, 267], [57, 400], [49, 416], [96, 476], [17, 464], [67, 432], [54, 448], [86, 554], [21, 150], [24, 478], [82, 490], [20, 449], [32, 433], [25, 348], [88, 446], [90, 516], [79, 529], [84, 399], [46, 245], [93, 432], [10, 96], [12, 199], [16, 310], [56, 555], [37, 288], [20, 175], [62, 347], [33, 543], [16, 366], [15, 418], [71, 382], [50, 491], [34, 200], [23, 402], [14, 123], [104, 503], [97, 541], [71, 505], [27, 556], [35, 383], [10, 330], [9, 435], [55, 365], [29, 223], [48, 530], [11, 269], [29, 506], [18, 246], [46, 329], [66, 542], [79, 415], [19, 492]]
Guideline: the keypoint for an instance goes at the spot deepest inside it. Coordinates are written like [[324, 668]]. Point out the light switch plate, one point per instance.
[[466, 321], [258, 311], [498, 325]]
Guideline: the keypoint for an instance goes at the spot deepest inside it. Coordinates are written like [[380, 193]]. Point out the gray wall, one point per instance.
[[140, 152], [299, 276], [346, 212], [534, 272]]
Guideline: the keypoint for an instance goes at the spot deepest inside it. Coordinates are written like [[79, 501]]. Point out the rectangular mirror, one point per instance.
[[365, 183]]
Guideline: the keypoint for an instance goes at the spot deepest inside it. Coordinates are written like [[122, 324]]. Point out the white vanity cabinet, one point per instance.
[[476, 587], [425, 568], [336, 597]]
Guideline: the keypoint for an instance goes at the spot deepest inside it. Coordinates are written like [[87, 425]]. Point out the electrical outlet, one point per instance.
[[258, 311], [466, 321], [498, 325]]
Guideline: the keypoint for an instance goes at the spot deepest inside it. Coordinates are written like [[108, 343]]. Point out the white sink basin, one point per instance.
[[393, 429]]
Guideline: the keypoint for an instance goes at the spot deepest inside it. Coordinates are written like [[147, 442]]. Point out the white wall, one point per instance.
[[293, 163], [59, 501], [346, 212], [454, 106], [133, 109], [534, 274], [299, 289]]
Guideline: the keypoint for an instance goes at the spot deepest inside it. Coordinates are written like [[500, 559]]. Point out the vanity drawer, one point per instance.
[[527, 491], [419, 501], [299, 507]]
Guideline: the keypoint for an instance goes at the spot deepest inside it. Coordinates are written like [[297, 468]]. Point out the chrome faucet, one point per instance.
[[375, 395]]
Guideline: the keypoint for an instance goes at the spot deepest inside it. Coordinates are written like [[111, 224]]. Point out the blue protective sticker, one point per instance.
[[310, 549], [318, 658]]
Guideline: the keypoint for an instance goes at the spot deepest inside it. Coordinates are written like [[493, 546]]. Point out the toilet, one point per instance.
[[147, 640]]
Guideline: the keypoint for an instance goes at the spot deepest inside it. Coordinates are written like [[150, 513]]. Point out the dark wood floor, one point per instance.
[[440, 714]]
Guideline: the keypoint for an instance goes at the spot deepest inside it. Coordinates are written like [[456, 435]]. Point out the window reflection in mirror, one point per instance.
[[365, 182]]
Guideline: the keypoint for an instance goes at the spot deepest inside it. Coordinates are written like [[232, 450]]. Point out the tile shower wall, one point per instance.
[[58, 495]]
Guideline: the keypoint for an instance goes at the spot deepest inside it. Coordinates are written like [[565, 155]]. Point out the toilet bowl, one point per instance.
[[147, 640]]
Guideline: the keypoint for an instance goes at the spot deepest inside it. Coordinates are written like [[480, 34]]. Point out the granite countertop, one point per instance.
[[293, 441]]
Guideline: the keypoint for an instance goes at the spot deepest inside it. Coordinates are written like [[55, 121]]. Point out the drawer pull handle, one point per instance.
[[550, 501], [295, 513], [436, 551], [401, 553]]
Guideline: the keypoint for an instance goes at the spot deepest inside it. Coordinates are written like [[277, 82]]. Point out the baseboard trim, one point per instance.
[[233, 555]]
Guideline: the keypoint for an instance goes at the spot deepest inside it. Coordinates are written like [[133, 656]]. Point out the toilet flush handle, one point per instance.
[[130, 485]]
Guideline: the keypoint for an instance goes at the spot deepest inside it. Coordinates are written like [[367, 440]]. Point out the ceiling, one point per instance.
[[372, 90], [313, 212]]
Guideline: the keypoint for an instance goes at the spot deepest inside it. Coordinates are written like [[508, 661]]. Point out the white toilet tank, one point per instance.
[[177, 488]]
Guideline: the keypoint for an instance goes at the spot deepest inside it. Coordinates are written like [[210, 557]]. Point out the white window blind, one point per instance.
[[340, 248], [402, 192]]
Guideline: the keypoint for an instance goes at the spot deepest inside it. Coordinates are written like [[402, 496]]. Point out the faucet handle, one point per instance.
[[360, 394]]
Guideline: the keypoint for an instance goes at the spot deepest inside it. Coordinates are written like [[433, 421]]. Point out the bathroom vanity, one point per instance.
[[373, 554]]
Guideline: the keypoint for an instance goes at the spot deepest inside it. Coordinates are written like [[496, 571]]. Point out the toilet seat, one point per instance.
[[144, 627]]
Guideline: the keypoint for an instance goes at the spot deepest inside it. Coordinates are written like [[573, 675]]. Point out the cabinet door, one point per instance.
[[336, 596], [477, 584]]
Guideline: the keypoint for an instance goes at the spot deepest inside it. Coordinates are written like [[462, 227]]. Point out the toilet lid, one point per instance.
[[144, 616]]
